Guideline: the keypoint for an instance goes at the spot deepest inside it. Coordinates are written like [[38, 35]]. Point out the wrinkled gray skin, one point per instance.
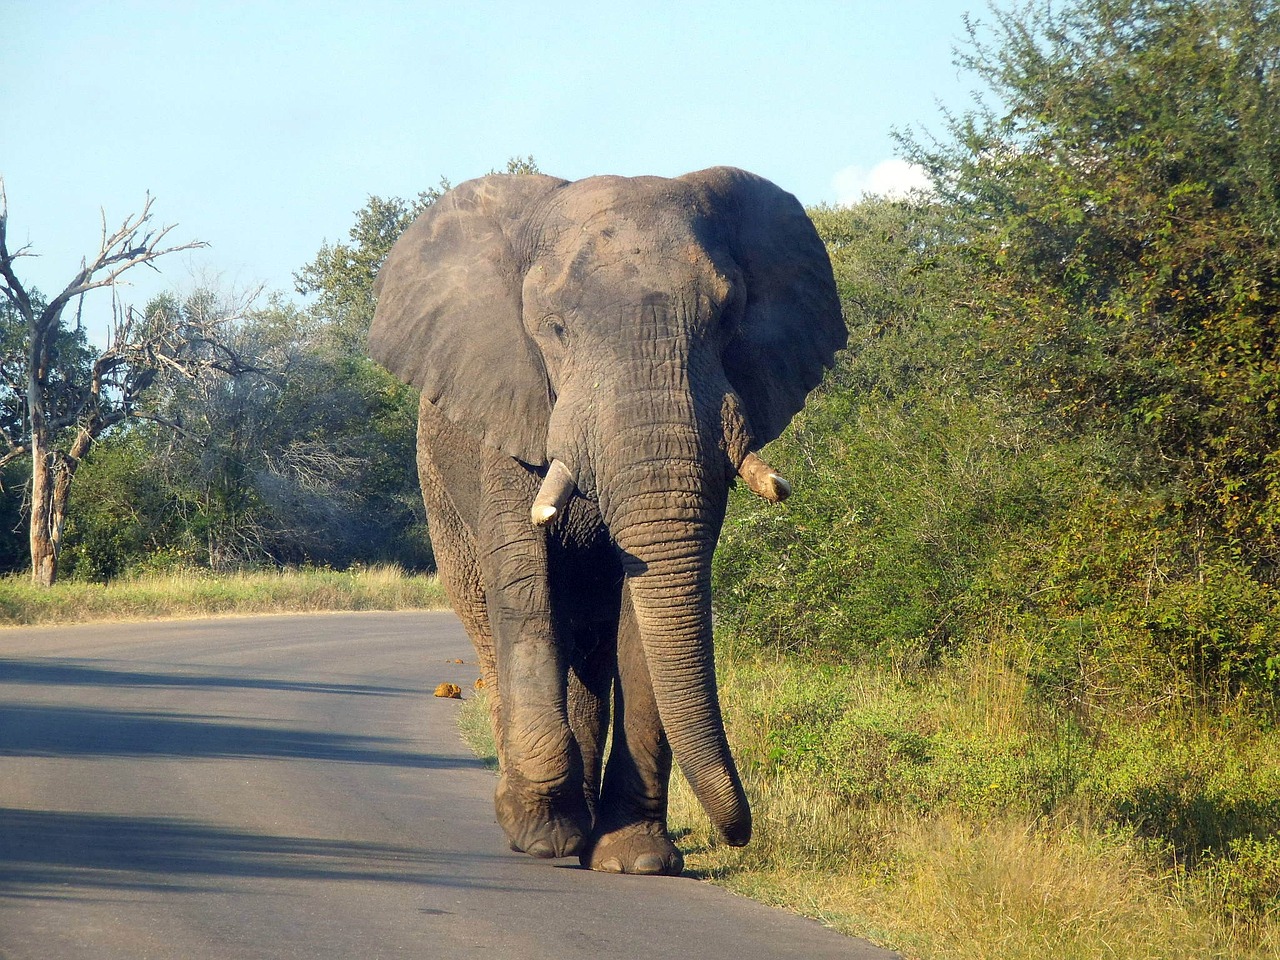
[[648, 334]]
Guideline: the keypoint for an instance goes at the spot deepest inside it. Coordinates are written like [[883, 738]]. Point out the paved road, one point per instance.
[[286, 787]]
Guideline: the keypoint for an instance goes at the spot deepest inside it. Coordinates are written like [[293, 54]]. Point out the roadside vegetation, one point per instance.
[[151, 596], [957, 812]]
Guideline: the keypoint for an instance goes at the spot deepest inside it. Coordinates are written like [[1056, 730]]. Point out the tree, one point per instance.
[[60, 395], [1118, 192], [1114, 196], [309, 460]]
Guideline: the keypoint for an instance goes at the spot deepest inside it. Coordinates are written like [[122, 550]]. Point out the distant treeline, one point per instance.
[[307, 458]]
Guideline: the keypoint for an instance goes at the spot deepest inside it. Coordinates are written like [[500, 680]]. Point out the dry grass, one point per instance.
[[194, 594], [473, 722], [956, 880], [946, 887]]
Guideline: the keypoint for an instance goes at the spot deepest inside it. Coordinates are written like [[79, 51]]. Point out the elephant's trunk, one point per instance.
[[665, 520]]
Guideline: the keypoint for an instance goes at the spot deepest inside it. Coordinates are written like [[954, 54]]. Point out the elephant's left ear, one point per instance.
[[791, 324]]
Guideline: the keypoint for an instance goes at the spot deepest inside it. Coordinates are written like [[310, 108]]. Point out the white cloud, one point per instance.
[[889, 178]]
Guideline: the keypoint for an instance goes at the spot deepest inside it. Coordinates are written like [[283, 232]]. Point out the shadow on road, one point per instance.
[[75, 673], [50, 854], [30, 730]]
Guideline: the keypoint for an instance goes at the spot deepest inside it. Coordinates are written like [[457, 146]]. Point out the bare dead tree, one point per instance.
[[141, 349]]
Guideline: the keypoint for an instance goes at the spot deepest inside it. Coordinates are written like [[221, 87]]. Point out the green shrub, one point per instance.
[[1244, 882], [937, 505]]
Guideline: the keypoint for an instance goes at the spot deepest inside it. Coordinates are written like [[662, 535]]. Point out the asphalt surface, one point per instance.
[[287, 787]]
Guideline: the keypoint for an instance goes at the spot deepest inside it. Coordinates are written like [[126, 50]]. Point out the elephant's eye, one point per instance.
[[554, 326]]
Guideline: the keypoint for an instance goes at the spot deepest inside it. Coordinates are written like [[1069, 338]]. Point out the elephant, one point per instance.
[[599, 361]]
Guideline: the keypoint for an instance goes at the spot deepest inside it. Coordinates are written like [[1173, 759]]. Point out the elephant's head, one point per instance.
[[635, 339]]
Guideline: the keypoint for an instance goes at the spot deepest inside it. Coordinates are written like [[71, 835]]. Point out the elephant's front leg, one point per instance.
[[630, 833], [539, 800]]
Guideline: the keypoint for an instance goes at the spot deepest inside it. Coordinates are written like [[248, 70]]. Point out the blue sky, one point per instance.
[[261, 127]]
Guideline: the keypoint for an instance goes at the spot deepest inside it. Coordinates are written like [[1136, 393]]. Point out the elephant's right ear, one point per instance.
[[448, 319]]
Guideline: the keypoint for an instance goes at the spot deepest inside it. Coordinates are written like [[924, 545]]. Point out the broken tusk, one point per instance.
[[763, 480], [557, 487]]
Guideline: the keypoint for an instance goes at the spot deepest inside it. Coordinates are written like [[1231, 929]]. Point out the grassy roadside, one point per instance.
[[951, 816], [158, 596]]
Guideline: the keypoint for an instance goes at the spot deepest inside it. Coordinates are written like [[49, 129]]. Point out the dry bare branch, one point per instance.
[[11, 286], [118, 252], [14, 453], [59, 418]]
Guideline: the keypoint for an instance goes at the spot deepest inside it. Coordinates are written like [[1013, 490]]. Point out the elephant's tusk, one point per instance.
[[557, 487], [763, 480]]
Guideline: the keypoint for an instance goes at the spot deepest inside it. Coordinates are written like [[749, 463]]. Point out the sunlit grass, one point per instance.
[[194, 594], [473, 722], [950, 816]]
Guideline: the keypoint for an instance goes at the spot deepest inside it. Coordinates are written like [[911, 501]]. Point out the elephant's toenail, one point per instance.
[[612, 865], [648, 863], [540, 848]]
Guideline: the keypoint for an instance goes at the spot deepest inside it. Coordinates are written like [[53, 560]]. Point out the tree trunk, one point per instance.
[[51, 475], [44, 549]]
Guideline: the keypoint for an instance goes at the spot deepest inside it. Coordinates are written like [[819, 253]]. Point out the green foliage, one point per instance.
[[1194, 791], [1120, 607], [1055, 423], [1245, 882], [912, 464], [1119, 200], [308, 460], [121, 512]]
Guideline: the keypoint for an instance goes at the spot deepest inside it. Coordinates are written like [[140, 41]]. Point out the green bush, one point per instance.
[[938, 505], [1244, 883], [1121, 609], [909, 469]]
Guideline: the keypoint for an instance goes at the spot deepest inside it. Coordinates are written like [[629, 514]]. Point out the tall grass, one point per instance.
[[193, 594], [476, 728], [951, 815]]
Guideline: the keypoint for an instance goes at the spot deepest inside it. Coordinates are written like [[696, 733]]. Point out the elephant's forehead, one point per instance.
[[643, 210], [607, 191], [620, 259], [630, 237]]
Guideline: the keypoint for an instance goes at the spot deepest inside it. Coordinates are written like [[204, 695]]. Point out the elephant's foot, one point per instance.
[[541, 826], [642, 847]]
